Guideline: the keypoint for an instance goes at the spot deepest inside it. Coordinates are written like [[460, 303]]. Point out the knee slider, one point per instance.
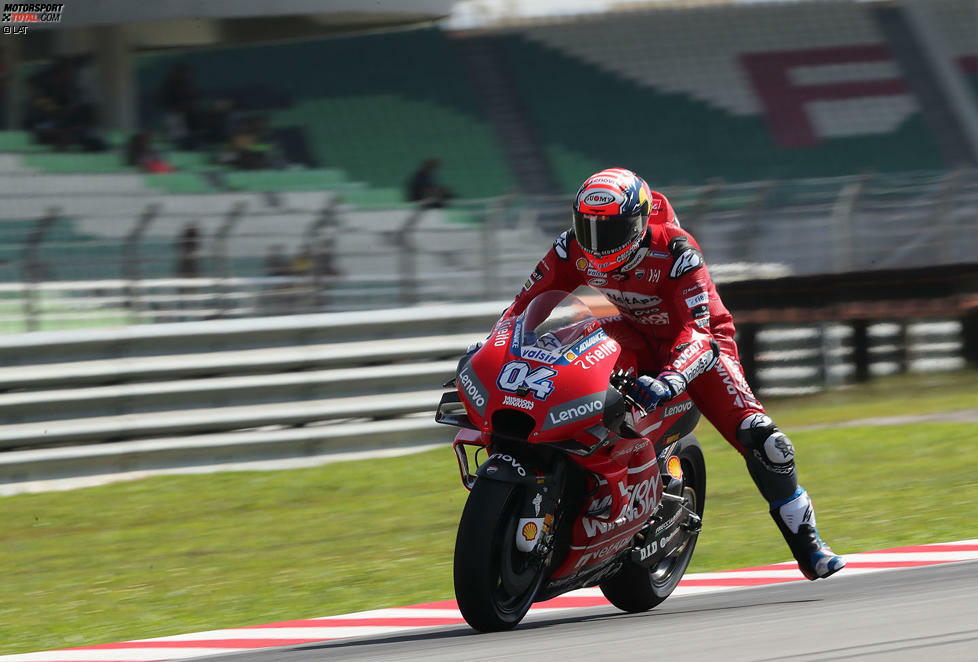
[[766, 444]]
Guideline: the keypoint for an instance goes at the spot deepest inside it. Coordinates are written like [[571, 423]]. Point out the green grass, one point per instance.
[[13, 316], [893, 396], [177, 554]]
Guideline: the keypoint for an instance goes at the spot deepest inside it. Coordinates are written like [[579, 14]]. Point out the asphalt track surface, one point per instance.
[[928, 613]]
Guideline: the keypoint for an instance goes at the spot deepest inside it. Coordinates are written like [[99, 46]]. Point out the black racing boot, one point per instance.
[[796, 519]]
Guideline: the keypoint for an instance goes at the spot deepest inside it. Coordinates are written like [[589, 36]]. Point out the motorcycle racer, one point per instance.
[[627, 243]]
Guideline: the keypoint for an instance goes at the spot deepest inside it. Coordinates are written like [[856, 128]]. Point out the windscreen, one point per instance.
[[554, 322]]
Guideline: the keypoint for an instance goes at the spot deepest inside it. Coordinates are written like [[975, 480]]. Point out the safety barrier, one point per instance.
[[230, 391], [226, 391]]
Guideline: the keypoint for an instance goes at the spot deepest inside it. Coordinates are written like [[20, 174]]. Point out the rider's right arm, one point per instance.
[[556, 271]]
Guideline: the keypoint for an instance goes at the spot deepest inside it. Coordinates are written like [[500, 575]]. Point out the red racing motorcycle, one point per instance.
[[577, 485]]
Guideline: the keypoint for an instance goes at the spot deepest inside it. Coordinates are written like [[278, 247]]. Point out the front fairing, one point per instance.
[[541, 379]]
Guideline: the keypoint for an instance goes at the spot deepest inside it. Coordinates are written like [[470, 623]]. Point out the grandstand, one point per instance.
[[777, 122]]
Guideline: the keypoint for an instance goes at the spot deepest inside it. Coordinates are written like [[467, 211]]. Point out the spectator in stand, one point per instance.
[[252, 147], [302, 263], [187, 266], [424, 187], [58, 112], [325, 258], [140, 154], [276, 264], [179, 99], [41, 114]]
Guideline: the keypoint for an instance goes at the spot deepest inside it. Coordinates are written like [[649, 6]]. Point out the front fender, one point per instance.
[[506, 468], [542, 487]]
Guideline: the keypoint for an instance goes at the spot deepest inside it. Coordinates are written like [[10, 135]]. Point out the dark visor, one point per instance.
[[604, 235]]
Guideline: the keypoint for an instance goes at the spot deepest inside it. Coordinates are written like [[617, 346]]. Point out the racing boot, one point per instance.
[[796, 519]]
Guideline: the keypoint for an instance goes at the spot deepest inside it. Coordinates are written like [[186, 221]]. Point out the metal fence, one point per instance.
[[75, 254]]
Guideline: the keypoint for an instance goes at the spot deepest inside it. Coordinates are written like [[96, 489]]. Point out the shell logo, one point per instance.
[[581, 264], [675, 468], [529, 531]]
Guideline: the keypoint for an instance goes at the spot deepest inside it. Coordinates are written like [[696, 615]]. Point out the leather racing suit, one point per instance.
[[671, 321], [670, 315]]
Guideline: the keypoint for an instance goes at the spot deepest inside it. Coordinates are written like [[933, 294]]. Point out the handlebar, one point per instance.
[[622, 382]]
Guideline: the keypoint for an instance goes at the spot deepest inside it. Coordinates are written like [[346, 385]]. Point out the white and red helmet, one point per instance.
[[611, 212]]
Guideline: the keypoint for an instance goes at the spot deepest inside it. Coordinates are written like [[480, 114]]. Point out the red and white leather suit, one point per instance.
[[670, 315]]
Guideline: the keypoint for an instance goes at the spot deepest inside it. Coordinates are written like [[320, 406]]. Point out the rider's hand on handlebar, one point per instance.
[[649, 392]]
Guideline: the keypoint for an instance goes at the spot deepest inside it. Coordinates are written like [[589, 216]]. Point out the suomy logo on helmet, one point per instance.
[[601, 197]]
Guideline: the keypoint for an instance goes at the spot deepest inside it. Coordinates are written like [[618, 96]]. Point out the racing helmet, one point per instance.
[[611, 212]]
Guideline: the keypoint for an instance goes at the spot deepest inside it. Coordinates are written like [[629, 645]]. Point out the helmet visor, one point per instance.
[[602, 236]]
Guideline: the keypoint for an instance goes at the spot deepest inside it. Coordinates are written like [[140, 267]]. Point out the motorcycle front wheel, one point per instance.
[[495, 583], [636, 588]]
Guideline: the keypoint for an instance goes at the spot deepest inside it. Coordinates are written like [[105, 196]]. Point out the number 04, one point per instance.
[[516, 374]]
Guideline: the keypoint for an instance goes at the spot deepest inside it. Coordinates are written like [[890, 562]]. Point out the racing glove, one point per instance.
[[650, 392]]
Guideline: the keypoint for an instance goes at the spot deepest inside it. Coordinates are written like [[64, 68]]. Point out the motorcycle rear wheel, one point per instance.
[[495, 583], [636, 588]]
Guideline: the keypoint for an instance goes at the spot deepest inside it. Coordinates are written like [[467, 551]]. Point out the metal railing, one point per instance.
[[77, 260], [175, 395]]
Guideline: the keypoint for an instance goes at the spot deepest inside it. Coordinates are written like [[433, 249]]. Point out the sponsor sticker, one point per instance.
[[675, 468], [639, 500], [581, 264], [597, 354], [528, 533], [677, 408], [589, 342], [511, 401], [512, 461], [601, 197], [697, 300], [473, 389], [605, 180], [603, 552], [636, 259], [538, 354], [658, 319], [633, 300], [501, 336], [574, 410]]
